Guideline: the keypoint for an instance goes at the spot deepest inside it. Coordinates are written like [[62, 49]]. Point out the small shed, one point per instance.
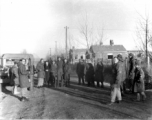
[[78, 54]]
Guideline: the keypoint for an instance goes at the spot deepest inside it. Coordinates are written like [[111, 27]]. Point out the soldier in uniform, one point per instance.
[[99, 73], [66, 72], [118, 78], [80, 71]]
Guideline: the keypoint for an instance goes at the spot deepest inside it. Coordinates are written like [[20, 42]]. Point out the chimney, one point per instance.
[[73, 48], [111, 42], [101, 43]]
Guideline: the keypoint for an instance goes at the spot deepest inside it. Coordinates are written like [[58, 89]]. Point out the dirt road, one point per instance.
[[74, 102]]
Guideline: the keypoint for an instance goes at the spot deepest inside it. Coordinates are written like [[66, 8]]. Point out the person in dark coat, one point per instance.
[[139, 86], [53, 74], [15, 78], [47, 72], [66, 72], [23, 78], [99, 73], [80, 71], [119, 75], [41, 73], [89, 74], [131, 68], [59, 72]]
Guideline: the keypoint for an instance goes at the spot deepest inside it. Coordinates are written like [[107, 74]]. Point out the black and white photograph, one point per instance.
[[76, 59]]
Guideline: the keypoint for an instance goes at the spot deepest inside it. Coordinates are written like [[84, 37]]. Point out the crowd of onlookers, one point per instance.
[[126, 75]]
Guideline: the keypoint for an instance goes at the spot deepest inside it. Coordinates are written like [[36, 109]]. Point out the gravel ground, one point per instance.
[[74, 102]]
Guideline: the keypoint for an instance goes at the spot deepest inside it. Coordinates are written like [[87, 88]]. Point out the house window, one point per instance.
[[110, 56]]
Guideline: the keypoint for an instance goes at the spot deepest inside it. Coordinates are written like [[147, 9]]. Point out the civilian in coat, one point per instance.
[[80, 71], [15, 77], [90, 74], [116, 93], [23, 78], [47, 72], [41, 73], [53, 74], [99, 73], [66, 72], [59, 72], [139, 86]]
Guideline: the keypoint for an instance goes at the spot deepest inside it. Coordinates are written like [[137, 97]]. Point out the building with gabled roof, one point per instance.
[[107, 52]]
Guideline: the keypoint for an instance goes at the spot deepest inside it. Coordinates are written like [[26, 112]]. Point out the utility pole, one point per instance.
[[146, 35], [56, 49], [50, 52], [66, 43]]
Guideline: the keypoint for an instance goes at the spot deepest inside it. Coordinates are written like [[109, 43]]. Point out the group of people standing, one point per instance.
[[54, 73], [127, 75], [87, 73], [57, 73]]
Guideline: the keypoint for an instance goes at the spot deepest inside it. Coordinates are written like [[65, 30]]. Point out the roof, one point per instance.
[[105, 48], [17, 56], [79, 50]]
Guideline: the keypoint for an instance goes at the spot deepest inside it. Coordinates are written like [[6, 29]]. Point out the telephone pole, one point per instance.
[[56, 49], [50, 52], [146, 40], [66, 43]]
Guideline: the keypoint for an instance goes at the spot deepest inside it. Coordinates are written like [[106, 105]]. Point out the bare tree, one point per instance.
[[86, 30], [101, 36], [144, 37]]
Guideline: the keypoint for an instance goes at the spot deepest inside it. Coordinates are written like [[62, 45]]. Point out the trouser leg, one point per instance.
[[82, 77], [118, 93], [133, 86], [68, 79], [98, 83], [138, 96], [113, 94], [102, 84], [79, 79], [40, 82], [143, 95]]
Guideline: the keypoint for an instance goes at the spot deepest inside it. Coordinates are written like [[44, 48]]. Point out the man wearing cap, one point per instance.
[[118, 78]]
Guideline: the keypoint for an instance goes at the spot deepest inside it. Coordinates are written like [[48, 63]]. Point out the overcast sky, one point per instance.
[[35, 25]]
